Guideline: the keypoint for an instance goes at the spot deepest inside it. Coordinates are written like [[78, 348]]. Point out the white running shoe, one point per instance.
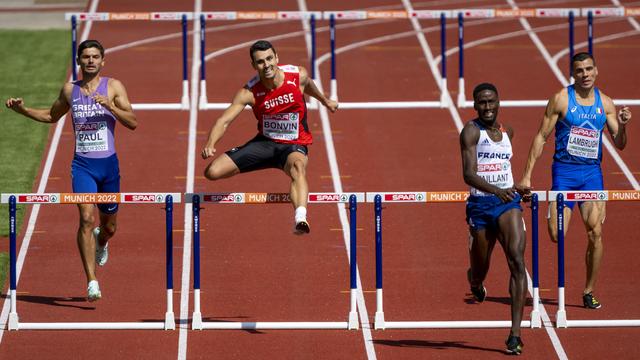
[[93, 291], [102, 252]]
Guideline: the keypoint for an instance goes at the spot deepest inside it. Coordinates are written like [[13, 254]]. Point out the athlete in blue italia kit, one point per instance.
[[96, 104], [579, 114], [493, 207]]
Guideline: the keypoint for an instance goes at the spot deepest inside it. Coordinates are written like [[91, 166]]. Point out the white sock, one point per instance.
[[301, 214]]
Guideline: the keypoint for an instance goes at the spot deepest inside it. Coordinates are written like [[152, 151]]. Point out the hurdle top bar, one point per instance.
[[430, 196], [597, 195], [360, 14], [270, 198], [91, 198], [113, 16]]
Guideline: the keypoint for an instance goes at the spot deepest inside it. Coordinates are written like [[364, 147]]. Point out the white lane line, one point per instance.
[[342, 212], [631, 20], [432, 65], [183, 324], [44, 178], [597, 40]]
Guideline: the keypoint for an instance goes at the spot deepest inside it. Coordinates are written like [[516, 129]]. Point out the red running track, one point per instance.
[[253, 269]]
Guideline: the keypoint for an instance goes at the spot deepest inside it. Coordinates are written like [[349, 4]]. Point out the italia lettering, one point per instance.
[[587, 116], [280, 100]]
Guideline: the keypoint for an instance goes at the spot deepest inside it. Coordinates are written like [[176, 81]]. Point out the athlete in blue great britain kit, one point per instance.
[[96, 103]]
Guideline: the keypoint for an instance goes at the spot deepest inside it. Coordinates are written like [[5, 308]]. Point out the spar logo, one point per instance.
[[223, 198], [493, 167], [404, 197], [584, 132], [144, 198], [37, 198], [585, 196], [329, 197]]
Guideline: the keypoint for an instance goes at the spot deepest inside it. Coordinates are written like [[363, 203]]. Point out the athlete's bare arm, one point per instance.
[[307, 86], [616, 122], [468, 142], [555, 108], [242, 98], [118, 104], [59, 107]]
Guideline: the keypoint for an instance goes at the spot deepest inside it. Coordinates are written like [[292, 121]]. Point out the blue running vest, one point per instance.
[[579, 133]]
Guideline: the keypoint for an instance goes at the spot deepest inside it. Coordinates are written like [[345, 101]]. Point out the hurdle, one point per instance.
[[569, 13], [272, 198], [439, 197], [152, 16], [561, 197], [203, 103], [168, 199]]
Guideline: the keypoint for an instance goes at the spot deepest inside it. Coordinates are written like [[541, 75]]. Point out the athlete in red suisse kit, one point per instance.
[[276, 95]]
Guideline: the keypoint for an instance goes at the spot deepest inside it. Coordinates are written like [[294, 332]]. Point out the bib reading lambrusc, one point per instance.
[[583, 142]]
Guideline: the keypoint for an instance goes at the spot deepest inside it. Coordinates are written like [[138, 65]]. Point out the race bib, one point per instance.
[[92, 137], [583, 142], [280, 126]]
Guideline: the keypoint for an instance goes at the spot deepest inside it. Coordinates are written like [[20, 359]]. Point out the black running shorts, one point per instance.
[[262, 153]]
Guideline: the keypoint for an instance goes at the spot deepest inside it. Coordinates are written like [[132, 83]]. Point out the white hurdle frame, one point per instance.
[[270, 198], [143, 16], [594, 195], [430, 197], [90, 198]]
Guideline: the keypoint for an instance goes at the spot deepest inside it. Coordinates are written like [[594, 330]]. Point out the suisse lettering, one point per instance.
[[280, 100]]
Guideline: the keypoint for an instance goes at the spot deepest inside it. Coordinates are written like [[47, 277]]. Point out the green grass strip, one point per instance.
[[33, 66]]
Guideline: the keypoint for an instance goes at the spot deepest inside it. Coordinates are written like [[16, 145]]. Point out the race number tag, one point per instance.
[[92, 137], [583, 142], [280, 126]]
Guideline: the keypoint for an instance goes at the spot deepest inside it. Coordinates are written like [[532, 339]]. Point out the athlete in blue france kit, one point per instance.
[[579, 114], [493, 207], [96, 103]]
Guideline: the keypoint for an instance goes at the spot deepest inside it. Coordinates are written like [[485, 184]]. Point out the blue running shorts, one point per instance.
[[567, 176], [96, 176], [483, 211]]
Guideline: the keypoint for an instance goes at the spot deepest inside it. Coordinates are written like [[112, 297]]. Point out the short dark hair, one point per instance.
[[90, 44], [582, 56], [260, 45], [482, 87]]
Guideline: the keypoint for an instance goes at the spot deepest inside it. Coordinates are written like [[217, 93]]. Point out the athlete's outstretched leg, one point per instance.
[[220, 168], [296, 169], [481, 243], [513, 241]]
